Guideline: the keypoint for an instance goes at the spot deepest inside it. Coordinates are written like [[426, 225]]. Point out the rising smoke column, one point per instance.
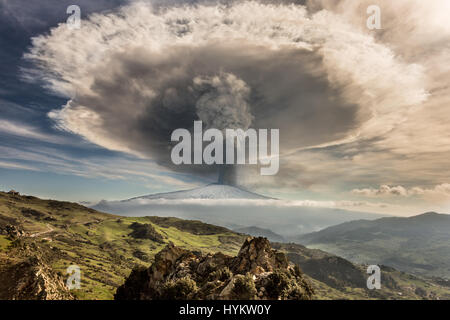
[[223, 105]]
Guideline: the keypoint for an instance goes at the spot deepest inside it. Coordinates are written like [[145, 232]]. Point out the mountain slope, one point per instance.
[[419, 244]]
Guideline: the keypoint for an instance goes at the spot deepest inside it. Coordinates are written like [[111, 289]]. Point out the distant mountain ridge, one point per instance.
[[418, 244]]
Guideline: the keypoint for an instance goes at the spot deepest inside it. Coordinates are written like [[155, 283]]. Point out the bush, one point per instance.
[[289, 285], [141, 255], [145, 231], [244, 287], [180, 289], [420, 292], [278, 284], [222, 274]]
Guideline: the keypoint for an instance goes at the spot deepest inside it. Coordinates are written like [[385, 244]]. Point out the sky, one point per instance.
[[86, 114]]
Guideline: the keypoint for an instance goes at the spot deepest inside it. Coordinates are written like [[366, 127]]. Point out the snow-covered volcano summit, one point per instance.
[[211, 191], [234, 208]]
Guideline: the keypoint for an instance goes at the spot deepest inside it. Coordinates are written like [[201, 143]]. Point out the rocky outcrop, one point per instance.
[[257, 272]]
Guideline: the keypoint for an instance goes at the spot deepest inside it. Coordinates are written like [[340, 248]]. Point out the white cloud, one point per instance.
[[438, 192], [162, 52], [364, 206], [47, 159], [23, 130], [12, 165], [384, 190]]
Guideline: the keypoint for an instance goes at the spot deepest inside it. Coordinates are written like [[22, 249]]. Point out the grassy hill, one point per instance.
[[419, 244], [45, 237]]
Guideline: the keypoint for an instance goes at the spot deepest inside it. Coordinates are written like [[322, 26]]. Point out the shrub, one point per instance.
[[244, 287], [296, 293], [145, 231], [222, 274], [179, 289]]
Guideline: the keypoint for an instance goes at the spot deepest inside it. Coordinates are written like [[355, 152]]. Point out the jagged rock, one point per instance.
[[257, 272], [258, 257]]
